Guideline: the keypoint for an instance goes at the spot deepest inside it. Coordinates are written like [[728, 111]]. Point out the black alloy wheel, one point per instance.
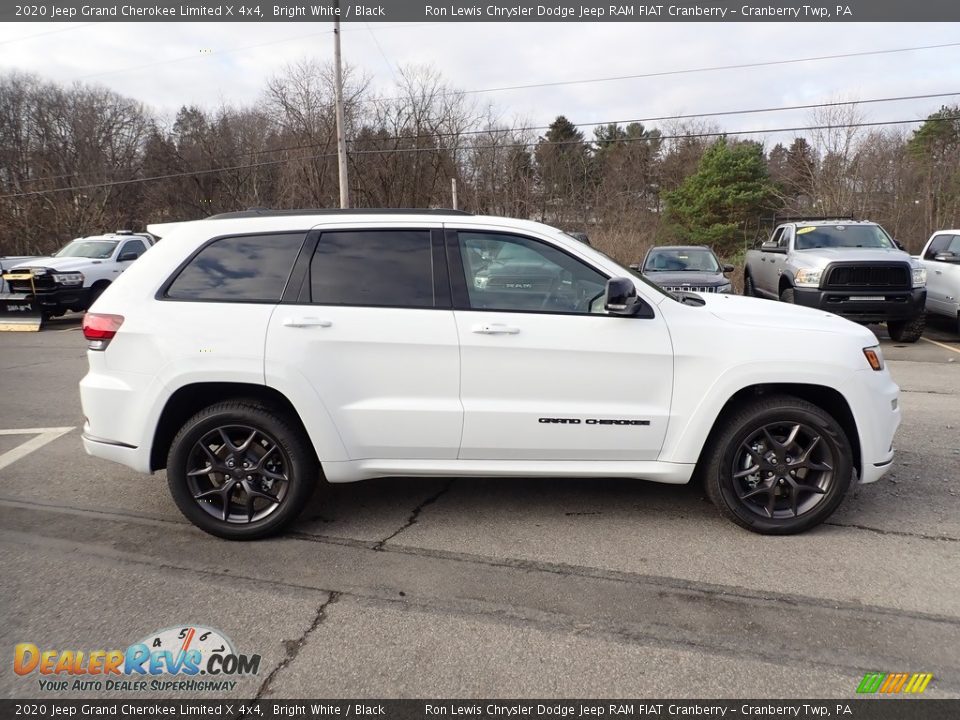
[[777, 465], [241, 470]]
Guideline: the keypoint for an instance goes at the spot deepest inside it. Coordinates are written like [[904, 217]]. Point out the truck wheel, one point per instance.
[[788, 295], [96, 291], [241, 471], [908, 331], [748, 289], [778, 466]]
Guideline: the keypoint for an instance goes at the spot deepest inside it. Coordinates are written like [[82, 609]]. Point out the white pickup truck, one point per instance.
[[941, 258], [76, 275]]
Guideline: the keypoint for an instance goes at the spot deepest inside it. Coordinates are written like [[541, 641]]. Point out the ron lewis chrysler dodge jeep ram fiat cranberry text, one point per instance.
[[253, 353]]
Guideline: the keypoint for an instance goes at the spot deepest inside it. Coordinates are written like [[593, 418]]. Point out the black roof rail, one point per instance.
[[267, 212], [812, 218]]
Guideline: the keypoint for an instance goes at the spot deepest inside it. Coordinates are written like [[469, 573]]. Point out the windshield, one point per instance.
[[636, 273], [682, 260], [842, 236], [97, 249]]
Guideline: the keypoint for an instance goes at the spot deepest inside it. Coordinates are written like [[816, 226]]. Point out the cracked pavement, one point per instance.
[[491, 587]]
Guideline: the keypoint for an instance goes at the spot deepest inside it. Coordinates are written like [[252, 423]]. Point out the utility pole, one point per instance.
[[453, 192], [338, 101]]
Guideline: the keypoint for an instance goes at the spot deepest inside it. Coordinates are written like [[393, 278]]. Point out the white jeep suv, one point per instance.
[[253, 353]]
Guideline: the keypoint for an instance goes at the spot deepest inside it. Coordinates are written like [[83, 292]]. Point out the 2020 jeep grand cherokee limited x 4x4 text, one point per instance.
[[253, 353]]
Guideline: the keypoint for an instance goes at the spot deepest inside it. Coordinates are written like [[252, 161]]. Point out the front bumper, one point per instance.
[[865, 305], [875, 400]]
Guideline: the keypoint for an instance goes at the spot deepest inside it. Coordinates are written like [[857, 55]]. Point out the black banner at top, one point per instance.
[[480, 11]]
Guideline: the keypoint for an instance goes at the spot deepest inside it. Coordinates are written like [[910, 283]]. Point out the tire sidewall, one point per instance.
[[829, 432], [300, 471]]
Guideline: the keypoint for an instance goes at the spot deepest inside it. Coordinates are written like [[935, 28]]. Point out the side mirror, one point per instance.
[[728, 269], [621, 297], [947, 257], [635, 266], [127, 256], [770, 246], [900, 245]]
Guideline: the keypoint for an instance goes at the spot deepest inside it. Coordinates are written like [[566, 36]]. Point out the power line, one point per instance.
[[506, 146], [739, 66], [48, 32], [490, 131]]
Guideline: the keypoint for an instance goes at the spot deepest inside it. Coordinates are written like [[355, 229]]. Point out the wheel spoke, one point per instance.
[[242, 447], [227, 441], [263, 459], [771, 505], [749, 471], [792, 437], [202, 471], [208, 493], [777, 445], [756, 491]]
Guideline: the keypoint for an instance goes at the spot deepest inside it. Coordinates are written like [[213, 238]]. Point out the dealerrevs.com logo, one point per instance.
[[170, 659]]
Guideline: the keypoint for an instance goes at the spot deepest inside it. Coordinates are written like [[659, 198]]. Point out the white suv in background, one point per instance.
[[252, 353]]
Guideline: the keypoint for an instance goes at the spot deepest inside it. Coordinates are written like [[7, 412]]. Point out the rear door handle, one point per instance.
[[495, 329], [301, 322]]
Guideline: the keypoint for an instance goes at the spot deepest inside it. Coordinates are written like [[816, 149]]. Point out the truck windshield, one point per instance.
[[681, 260], [96, 249], [842, 236]]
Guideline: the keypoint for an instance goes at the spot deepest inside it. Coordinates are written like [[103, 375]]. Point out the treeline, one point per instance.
[[79, 160]]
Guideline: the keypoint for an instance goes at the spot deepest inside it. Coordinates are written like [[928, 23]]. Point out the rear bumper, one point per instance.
[[132, 457], [865, 305]]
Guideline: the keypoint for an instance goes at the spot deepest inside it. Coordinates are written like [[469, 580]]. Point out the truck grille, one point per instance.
[[889, 276], [40, 282]]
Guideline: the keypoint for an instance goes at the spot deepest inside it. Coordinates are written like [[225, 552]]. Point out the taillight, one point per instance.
[[99, 329]]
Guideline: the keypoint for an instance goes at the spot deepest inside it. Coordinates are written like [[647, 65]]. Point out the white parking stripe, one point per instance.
[[940, 344], [43, 436]]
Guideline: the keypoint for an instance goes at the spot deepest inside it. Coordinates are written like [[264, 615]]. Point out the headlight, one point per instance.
[[874, 357], [68, 278], [728, 287], [919, 277], [808, 278]]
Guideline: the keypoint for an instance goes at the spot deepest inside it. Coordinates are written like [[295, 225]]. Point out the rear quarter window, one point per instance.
[[247, 268]]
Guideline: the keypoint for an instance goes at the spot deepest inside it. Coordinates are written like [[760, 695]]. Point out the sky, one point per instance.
[[167, 65]]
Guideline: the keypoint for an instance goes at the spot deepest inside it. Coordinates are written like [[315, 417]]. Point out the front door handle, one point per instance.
[[495, 329], [301, 322]]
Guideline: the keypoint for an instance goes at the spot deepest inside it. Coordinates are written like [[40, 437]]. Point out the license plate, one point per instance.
[[869, 297]]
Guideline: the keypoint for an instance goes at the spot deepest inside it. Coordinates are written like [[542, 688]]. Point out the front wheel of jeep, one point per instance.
[[779, 465]]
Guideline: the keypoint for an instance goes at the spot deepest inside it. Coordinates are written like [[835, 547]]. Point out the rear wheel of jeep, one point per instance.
[[240, 470], [908, 331], [779, 465]]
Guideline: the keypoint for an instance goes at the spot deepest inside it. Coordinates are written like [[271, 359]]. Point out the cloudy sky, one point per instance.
[[167, 65]]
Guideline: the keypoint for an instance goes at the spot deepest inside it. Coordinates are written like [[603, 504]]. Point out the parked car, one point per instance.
[[253, 353], [74, 277], [847, 267], [687, 268], [941, 259]]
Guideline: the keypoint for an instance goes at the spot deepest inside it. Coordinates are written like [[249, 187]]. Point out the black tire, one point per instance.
[[279, 455], [793, 510], [788, 295], [908, 331], [749, 290]]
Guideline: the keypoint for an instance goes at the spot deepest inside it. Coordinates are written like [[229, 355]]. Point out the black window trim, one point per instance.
[[441, 282], [161, 294], [931, 252], [458, 278]]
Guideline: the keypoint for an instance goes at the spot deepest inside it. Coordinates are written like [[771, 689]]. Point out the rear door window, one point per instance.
[[373, 268], [247, 268]]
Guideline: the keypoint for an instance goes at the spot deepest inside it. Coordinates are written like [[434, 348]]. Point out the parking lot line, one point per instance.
[[940, 344], [43, 436]]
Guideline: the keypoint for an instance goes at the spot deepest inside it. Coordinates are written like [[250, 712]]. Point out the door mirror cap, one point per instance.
[[948, 257], [127, 256], [770, 246], [728, 268], [621, 298]]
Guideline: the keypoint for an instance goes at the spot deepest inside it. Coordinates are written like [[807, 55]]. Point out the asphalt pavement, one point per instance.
[[486, 587]]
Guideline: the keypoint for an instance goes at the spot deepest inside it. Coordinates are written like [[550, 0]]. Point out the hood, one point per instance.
[[757, 312], [60, 264], [687, 277], [814, 255]]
